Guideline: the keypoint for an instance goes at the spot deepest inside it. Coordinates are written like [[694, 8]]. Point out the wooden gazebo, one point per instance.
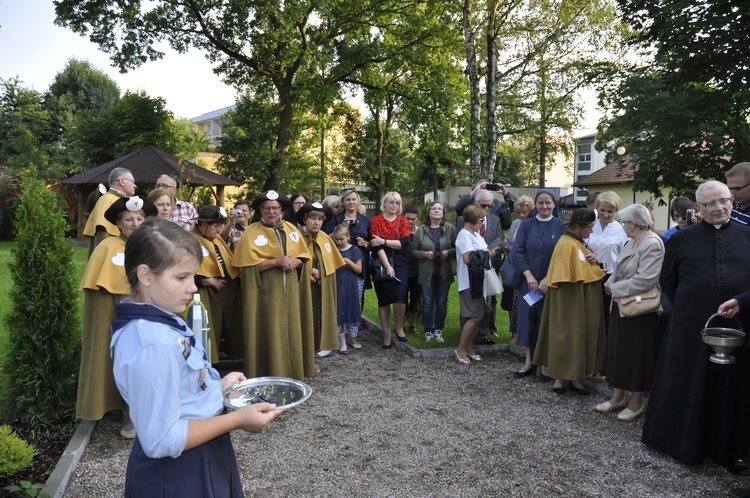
[[147, 165]]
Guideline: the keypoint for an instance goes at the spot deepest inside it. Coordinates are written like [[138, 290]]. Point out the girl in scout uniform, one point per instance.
[[183, 446]]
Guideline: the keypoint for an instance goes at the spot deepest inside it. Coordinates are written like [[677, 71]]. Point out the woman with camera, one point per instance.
[[238, 221]]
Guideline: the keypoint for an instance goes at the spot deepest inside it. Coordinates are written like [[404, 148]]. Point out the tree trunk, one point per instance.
[[284, 137], [490, 152], [472, 71]]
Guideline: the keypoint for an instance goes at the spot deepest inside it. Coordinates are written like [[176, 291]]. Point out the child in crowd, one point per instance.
[[323, 265], [182, 447], [349, 287]]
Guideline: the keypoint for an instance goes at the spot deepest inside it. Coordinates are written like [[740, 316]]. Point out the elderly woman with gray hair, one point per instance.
[[631, 351]]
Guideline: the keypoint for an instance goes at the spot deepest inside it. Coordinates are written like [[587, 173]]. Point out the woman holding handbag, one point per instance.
[[390, 241], [434, 247], [469, 241], [631, 351]]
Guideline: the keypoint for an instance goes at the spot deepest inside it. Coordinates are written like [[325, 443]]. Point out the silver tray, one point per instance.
[[288, 392]]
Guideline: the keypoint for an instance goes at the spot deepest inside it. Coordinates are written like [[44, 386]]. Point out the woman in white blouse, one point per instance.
[[606, 242]]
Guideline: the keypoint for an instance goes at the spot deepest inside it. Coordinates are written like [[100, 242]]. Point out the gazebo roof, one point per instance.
[[147, 165]]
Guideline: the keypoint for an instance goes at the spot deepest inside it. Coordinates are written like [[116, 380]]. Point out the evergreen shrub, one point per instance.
[[43, 324]]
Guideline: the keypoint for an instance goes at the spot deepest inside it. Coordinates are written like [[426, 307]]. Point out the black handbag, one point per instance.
[[377, 270], [506, 219]]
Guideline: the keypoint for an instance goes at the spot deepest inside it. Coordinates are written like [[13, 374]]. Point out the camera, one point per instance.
[[235, 212], [492, 186], [690, 217]]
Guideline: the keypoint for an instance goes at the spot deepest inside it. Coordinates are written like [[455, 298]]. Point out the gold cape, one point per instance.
[[210, 266], [106, 268], [259, 243], [329, 253], [569, 264], [97, 219]]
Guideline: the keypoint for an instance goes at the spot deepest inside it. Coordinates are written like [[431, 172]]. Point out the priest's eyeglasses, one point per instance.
[[724, 201]]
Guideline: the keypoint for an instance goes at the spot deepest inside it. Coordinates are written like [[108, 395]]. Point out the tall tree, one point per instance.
[[78, 87], [683, 111], [24, 128], [134, 122], [536, 55], [282, 46]]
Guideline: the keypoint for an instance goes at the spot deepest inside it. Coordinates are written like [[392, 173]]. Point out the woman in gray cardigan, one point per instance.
[[434, 247], [631, 351]]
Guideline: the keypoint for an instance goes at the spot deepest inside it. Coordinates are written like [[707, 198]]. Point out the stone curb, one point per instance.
[[58, 480], [595, 385]]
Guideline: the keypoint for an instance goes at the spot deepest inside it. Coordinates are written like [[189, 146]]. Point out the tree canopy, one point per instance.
[[683, 110], [293, 51]]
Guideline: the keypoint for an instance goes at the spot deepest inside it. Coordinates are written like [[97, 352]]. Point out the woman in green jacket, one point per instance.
[[434, 246]]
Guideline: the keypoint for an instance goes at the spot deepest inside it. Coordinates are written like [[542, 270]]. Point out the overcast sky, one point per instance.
[[33, 48]]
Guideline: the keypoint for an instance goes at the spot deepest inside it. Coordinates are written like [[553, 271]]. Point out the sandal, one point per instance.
[[414, 330]]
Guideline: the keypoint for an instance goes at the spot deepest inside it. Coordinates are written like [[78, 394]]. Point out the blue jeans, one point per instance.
[[436, 295]]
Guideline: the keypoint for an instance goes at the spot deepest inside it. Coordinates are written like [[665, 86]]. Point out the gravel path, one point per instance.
[[382, 424]]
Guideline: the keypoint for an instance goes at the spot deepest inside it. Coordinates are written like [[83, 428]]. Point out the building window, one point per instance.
[[583, 157]]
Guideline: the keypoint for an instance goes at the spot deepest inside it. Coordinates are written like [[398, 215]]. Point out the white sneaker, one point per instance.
[[438, 335], [428, 336]]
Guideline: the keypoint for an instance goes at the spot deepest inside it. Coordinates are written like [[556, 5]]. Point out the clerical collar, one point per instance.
[[543, 219], [118, 192]]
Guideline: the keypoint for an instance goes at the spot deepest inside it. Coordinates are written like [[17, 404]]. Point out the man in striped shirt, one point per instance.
[[738, 181]]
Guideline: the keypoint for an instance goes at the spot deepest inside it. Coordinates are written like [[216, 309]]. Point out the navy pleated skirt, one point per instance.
[[208, 471]]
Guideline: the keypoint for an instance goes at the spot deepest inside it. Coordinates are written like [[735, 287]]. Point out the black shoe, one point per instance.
[[402, 339], [485, 341], [579, 390], [544, 378], [740, 492], [387, 346], [559, 390], [738, 467], [521, 375]]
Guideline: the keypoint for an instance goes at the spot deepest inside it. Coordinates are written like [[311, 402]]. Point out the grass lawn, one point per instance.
[[452, 330]]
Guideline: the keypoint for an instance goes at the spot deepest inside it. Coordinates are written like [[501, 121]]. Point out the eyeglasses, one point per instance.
[[129, 180], [164, 186], [270, 208], [485, 206], [298, 203], [735, 189], [724, 201]]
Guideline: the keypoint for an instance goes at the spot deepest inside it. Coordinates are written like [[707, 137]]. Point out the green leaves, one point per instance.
[[44, 335], [683, 115]]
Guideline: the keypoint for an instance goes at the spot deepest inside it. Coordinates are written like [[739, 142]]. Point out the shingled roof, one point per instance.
[[147, 165], [615, 173]]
